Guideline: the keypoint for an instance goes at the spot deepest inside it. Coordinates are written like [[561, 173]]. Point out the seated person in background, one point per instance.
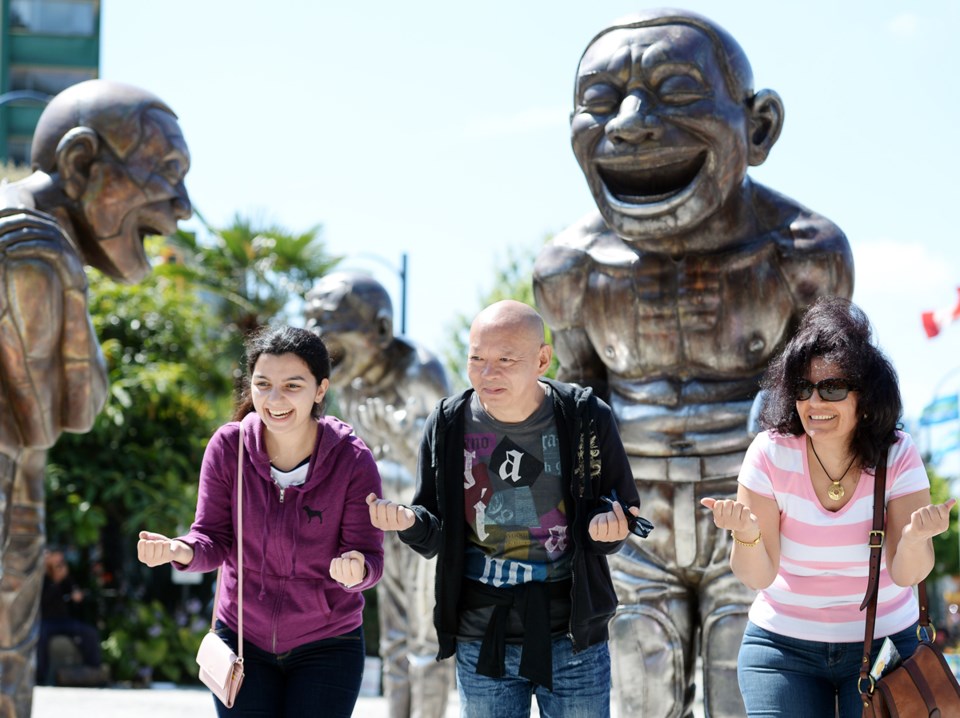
[[58, 603]]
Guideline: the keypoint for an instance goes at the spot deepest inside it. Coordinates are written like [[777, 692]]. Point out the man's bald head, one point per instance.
[[512, 315], [507, 356]]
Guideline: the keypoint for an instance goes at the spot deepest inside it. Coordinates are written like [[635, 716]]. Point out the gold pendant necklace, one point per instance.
[[836, 491]]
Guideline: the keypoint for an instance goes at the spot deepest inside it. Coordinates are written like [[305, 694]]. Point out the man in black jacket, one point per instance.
[[524, 489]]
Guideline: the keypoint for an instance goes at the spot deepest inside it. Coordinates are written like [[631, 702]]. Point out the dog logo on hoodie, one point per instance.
[[313, 512]]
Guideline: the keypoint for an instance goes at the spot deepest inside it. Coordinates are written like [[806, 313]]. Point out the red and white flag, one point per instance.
[[935, 322]]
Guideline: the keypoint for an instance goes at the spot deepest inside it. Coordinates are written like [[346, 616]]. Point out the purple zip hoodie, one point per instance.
[[289, 536]]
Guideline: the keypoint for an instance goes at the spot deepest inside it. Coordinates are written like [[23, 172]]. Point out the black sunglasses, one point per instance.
[[832, 389], [637, 525]]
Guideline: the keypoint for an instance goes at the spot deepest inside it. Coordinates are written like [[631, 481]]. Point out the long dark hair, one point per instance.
[[283, 340], [837, 331]]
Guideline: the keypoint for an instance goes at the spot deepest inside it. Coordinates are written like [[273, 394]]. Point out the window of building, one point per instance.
[[55, 17], [48, 80]]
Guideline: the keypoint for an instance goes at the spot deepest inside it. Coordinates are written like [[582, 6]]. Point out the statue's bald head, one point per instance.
[[348, 297], [737, 72], [115, 111]]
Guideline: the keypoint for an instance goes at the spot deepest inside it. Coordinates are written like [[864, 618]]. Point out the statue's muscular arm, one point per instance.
[[54, 376], [560, 284]]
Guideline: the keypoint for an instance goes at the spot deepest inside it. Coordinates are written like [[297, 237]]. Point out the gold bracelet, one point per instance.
[[746, 543]]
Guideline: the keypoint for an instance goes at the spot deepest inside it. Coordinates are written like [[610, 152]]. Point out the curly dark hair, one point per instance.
[[836, 330], [284, 340]]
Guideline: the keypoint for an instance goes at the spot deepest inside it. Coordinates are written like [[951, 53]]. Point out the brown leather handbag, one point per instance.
[[923, 685]]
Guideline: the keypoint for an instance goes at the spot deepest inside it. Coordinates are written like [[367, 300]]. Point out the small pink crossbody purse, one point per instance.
[[221, 670]]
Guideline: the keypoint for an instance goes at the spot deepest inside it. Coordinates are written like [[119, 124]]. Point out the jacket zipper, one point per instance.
[[581, 480], [276, 610]]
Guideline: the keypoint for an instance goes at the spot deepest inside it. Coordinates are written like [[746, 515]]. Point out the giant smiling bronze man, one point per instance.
[[108, 166], [670, 300]]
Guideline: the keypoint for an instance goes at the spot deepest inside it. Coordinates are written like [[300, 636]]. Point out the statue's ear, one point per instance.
[[766, 121], [385, 327], [75, 153]]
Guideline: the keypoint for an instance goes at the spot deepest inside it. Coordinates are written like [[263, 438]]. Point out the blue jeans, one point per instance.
[[793, 678], [319, 678], [581, 684]]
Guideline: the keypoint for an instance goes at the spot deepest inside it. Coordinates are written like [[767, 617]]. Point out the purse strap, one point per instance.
[[877, 536], [216, 598]]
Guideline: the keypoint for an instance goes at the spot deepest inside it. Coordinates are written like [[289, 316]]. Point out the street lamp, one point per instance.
[[18, 96], [24, 96]]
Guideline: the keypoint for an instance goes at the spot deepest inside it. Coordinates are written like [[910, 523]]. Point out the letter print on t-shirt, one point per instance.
[[513, 499]]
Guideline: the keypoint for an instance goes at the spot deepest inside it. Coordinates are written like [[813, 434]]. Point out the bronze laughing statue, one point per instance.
[[670, 301], [386, 386], [108, 165]]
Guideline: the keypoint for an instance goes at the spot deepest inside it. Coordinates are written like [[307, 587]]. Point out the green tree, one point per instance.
[[253, 270], [138, 464], [137, 467], [945, 545], [12, 172]]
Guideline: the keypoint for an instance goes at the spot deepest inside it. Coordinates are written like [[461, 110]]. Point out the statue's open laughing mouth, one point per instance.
[[650, 182]]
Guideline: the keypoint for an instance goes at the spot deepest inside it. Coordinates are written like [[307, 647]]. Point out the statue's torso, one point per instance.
[[681, 343]]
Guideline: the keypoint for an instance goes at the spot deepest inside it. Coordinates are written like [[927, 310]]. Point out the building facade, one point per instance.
[[45, 46]]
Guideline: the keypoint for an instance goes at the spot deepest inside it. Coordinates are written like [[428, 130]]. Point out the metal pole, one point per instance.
[[403, 294]]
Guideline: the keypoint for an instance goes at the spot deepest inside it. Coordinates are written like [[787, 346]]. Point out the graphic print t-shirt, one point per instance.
[[515, 509]]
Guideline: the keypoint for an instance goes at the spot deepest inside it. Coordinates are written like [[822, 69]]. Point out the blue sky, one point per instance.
[[440, 129]]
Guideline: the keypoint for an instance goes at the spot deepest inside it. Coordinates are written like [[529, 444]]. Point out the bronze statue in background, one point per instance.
[[670, 301], [386, 386], [108, 165]]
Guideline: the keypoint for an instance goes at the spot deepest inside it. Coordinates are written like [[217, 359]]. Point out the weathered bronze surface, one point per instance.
[[671, 300], [108, 166], [385, 386]]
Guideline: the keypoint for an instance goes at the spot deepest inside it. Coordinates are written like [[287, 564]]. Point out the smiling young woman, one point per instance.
[[303, 643], [804, 509]]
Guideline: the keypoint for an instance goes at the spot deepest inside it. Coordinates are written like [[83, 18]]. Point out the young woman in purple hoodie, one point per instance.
[[308, 547]]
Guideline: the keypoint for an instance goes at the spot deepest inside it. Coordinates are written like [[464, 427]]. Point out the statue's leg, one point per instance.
[[22, 579], [724, 602], [431, 681], [392, 610], [653, 635]]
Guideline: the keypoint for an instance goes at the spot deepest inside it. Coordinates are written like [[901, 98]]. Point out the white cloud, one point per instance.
[[904, 25], [886, 264]]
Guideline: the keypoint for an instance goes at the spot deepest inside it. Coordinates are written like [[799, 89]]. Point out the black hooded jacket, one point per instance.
[[593, 463]]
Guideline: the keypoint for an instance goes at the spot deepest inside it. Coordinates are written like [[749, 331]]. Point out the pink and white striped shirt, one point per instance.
[[823, 554]]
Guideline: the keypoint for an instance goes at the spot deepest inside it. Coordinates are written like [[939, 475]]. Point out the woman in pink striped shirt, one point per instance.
[[804, 508]]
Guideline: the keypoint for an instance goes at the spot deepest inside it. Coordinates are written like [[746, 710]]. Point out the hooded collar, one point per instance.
[[331, 435]]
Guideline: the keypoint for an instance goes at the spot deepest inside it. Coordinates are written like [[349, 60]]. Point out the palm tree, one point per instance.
[[253, 271]]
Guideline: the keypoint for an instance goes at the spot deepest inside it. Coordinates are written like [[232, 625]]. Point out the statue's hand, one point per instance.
[[388, 515], [382, 419]]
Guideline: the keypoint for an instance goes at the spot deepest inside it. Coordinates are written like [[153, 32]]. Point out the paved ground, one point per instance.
[[174, 703], [170, 701]]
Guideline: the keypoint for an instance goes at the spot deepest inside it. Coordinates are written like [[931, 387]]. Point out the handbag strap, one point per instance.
[[877, 536], [216, 598]]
